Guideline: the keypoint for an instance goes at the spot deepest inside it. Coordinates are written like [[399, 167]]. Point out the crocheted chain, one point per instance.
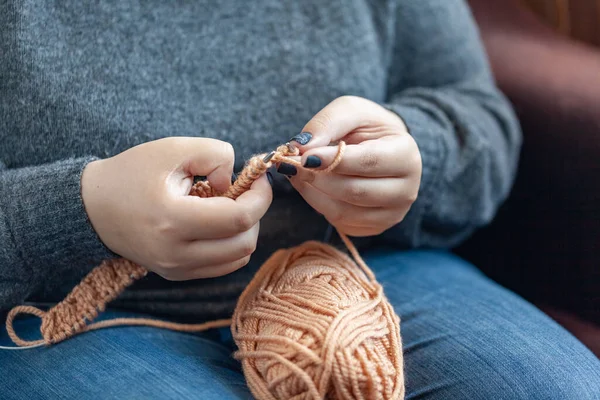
[[108, 280]]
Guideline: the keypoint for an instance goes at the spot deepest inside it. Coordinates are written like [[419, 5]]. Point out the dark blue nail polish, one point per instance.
[[270, 178], [312, 162], [302, 138], [287, 169]]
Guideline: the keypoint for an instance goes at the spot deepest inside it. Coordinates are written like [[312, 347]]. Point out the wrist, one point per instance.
[[91, 195]]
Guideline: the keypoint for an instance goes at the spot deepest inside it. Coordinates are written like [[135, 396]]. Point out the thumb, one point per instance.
[[211, 158], [334, 121]]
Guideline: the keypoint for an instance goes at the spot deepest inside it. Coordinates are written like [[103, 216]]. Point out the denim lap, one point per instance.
[[464, 337], [123, 363]]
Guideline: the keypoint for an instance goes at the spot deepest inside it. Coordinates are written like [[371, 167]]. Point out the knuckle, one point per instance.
[[408, 194], [167, 260], [321, 121], [355, 192], [243, 221], [368, 161], [248, 246], [166, 228], [412, 196]]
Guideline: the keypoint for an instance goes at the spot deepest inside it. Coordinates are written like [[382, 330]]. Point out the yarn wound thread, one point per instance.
[[313, 323]]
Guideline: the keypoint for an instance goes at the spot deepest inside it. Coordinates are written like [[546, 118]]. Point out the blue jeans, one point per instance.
[[464, 338]]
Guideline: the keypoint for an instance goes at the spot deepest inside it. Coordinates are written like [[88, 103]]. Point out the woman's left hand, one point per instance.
[[378, 179]]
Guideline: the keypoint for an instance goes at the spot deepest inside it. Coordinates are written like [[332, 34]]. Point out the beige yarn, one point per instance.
[[312, 324]]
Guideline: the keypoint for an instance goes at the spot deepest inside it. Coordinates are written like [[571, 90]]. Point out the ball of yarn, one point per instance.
[[314, 325]]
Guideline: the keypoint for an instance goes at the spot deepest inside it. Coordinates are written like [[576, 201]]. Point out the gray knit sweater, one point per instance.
[[83, 80]]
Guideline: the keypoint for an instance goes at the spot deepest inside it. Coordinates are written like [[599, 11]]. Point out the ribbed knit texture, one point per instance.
[[81, 81]]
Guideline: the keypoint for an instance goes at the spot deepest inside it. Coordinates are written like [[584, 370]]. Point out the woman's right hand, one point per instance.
[[139, 204]]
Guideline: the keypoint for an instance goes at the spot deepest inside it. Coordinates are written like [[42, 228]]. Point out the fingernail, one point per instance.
[[302, 138], [287, 169], [270, 178], [312, 162], [233, 177]]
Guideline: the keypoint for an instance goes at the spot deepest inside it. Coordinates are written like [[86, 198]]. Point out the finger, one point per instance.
[[218, 251], [339, 118], [357, 231], [205, 272], [197, 218], [359, 191], [391, 156], [215, 271], [208, 157], [341, 213]]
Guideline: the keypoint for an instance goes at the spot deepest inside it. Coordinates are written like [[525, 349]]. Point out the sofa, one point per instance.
[[544, 243]]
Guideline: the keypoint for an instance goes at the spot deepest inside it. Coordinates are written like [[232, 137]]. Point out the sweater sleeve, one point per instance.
[[45, 235], [441, 85]]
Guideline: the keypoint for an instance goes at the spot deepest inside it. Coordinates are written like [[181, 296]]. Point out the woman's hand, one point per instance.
[[138, 203], [378, 178]]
